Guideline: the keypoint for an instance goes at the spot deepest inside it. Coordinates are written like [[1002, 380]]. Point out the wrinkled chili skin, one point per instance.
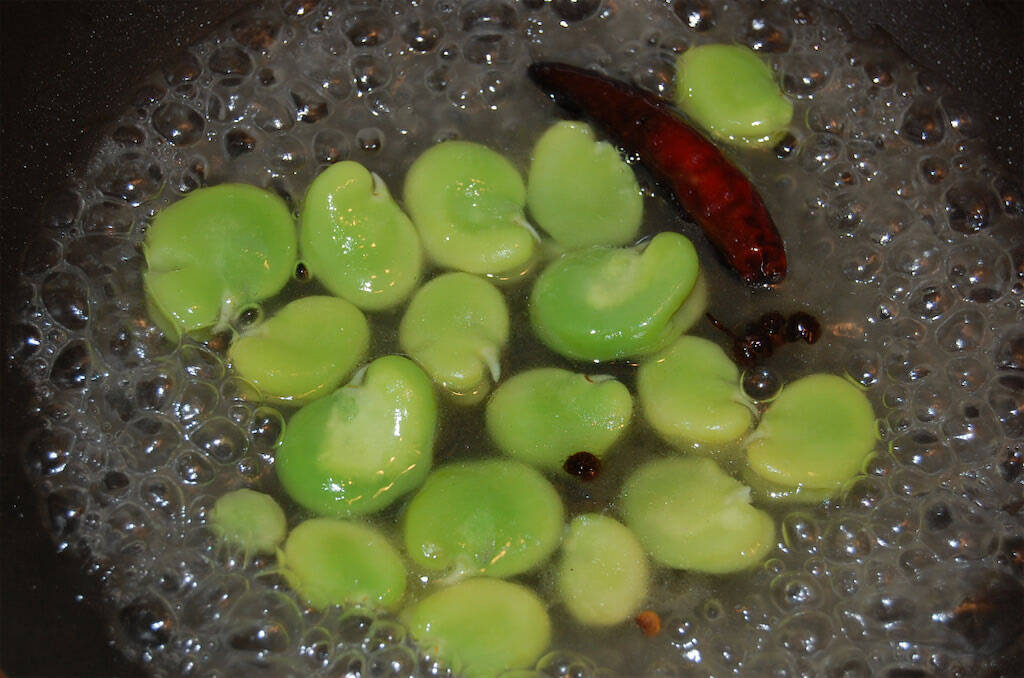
[[716, 194]]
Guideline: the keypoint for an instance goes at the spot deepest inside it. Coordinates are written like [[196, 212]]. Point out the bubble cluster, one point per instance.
[[900, 236]]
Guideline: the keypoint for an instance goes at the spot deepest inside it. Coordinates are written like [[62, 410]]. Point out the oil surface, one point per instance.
[[901, 239]]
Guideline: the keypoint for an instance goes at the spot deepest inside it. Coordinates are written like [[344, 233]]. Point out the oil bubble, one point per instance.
[[422, 35], [271, 116], [24, 342], [923, 123], [699, 15], [655, 75], [230, 60], [576, 10], [488, 15], [66, 298], [197, 401], [924, 452], [161, 495], [330, 146], [952, 531], [221, 440], [186, 68], [201, 363], [212, 599], [128, 521], [369, 72], [819, 151], [178, 123], [970, 207], [370, 139], [254, 33], [929, 302], [108, 218], [383, 635], [963, 331], [847, 663], [132, 177], [148, 442], [805, 632], [564, 663], [238, 142], [894, 523], [47, 451], [147, 621], [193, 469], [309, 106], [917, 257], [1008, 407], [154, 390], [764, 34], [979, 271], [847, 540], [395, 662], [286, 154], [1010, 352], [803, 76], [800, 532], [316, 646], [72, 367], [489, 49]]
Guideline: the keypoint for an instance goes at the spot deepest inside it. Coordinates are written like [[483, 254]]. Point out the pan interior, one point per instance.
[[903, 237]]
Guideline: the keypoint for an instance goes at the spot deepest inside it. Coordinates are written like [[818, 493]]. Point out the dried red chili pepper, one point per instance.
[[716, 194]]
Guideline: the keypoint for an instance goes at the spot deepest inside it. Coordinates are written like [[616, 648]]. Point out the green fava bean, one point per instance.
[[764, 490], [481, 626], [356, 240], [493, 517], [691, 515], [215, 252], [603, 575], [336, 562], [543, 416], [250, 520], [305, 350], [731, 93], [690, 393], [364, 446], [816, 434], [467, 203], [581, 191], [606, 304], [455, 328]]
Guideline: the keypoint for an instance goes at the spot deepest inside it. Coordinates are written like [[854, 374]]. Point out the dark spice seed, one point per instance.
[[583, 465], [761, 383], [753, 347], [773, 325], [803, 326]]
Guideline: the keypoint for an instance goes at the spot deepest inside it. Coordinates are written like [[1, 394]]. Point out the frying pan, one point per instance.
[[67, 66]]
